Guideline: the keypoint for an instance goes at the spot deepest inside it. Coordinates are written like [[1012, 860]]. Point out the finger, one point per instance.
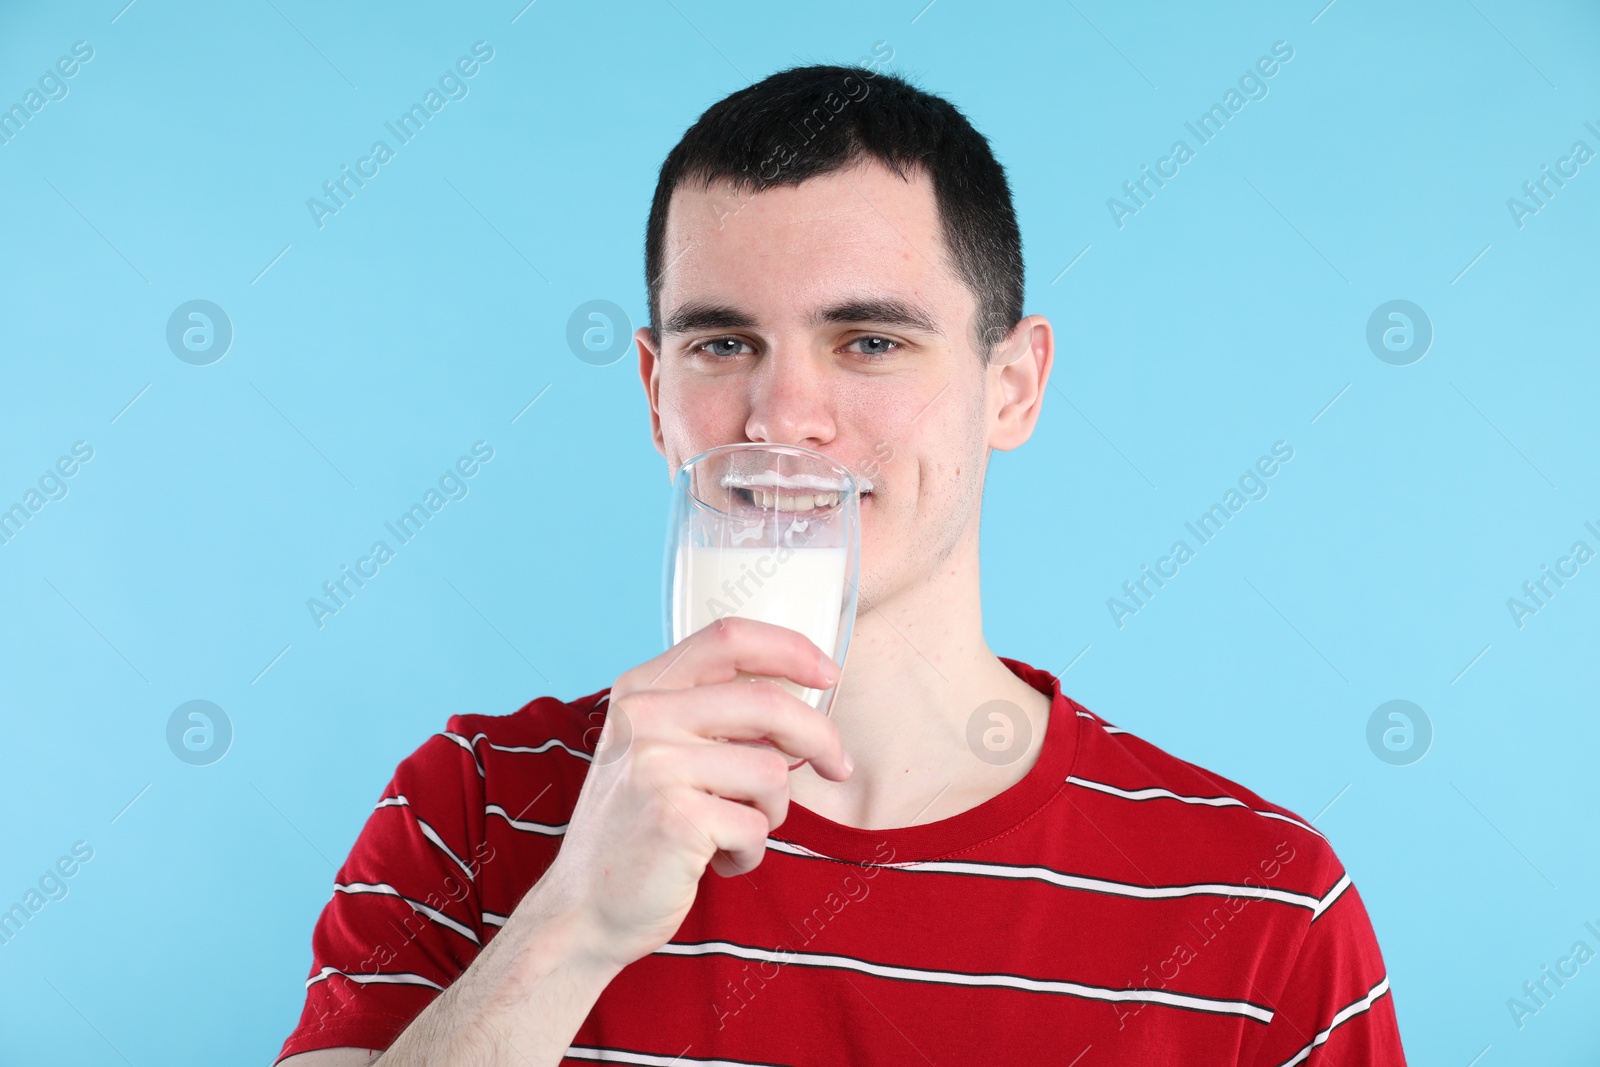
[[763, 743], [720, 651], [756, 709], [737, 832], [758, 776]]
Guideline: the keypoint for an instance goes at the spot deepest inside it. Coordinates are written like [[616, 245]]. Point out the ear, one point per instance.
[[1017, 375], [650, 377]]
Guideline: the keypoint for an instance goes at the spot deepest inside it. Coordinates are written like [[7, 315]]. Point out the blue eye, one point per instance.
[[722, 347], [875, 346]]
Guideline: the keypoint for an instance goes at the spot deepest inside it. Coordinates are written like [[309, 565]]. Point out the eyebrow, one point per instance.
[[881, 312], [692, 317]]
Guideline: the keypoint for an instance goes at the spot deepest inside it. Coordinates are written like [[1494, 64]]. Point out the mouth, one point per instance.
[[772, 491]]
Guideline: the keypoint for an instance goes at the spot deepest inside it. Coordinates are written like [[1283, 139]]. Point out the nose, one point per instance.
[[790, 402]]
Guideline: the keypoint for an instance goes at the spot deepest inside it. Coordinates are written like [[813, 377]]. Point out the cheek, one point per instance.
[[697, 415], [950, 456]]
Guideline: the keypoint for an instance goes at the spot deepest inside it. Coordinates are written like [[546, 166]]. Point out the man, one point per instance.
[[833, 261]]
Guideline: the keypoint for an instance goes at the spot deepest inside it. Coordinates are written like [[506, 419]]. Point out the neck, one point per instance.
[[918, 669]]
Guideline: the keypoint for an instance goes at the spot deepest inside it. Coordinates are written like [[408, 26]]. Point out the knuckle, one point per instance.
[[771, 696], [757, 768], [746, 826], [633, 702], [780, 709], [615, 727], [753, 828], [773, 767], [651, 760], [640, 707]]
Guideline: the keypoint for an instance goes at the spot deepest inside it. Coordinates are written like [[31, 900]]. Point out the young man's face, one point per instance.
[[825, 315]]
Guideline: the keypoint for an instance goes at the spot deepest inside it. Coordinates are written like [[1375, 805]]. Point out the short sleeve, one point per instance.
[[405, 919], [1336, 1006]]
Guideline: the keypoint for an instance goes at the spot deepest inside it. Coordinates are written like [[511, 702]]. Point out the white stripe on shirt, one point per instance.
[[401, 801], [384, 889], [1107, 727], [1075, 881], [554, 742], [1156, 792], [1332, 895], [1344, 1015], [526, 825], [961, 978], [621, 1055], [470, 746], [395, 978]]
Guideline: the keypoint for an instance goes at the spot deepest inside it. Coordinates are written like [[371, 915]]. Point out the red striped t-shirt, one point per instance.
[[1115, 906]]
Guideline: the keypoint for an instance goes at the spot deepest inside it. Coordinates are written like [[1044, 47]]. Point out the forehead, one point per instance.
[[791, 248]]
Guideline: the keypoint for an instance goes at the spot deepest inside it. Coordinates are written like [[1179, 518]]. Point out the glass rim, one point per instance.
[[852, 484]]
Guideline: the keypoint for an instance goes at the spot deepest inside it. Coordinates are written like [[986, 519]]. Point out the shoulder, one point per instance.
[[544, 724], [478, 765], [1181, 814]]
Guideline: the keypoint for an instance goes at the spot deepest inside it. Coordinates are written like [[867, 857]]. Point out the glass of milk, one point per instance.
[[768, 532]]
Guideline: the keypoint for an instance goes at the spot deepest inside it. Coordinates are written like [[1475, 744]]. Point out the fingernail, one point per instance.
[[849, 764]]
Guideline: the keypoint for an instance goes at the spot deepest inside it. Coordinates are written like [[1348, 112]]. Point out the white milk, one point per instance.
[[805, 592]]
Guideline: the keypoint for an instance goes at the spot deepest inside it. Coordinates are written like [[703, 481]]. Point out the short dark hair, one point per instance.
[[808, 121]]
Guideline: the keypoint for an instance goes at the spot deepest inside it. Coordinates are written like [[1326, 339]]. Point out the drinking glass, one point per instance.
[[768, 532]]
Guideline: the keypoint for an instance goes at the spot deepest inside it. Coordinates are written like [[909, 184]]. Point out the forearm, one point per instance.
[[519, 1003]]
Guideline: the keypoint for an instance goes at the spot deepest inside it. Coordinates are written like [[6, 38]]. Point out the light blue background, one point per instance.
[[1226, 315]]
